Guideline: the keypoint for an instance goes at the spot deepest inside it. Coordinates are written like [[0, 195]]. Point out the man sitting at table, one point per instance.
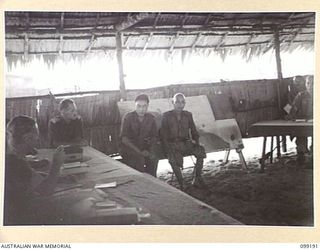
[[176, 127], [66, 128], [302, 108], [138, 137], [22, 183]]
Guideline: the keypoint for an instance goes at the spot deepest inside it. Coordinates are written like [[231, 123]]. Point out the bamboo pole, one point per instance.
[[279, 83], [279, 67], [120, 66]]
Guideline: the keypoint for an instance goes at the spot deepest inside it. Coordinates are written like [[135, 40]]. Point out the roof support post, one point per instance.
[[123, 94], [279, 70], [279, 67]]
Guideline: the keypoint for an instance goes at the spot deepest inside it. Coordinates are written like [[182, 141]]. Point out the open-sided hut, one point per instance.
[[78, 35]]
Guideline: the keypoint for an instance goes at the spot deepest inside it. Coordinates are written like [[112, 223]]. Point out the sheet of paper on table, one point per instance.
[[106, 185], [76, 164], [287, 108]]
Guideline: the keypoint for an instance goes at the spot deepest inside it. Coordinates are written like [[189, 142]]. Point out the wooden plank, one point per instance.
[[221, 106], [279, 67], [120, 66]]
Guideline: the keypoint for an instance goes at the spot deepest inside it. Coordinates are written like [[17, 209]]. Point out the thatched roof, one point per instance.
[[70, 35]]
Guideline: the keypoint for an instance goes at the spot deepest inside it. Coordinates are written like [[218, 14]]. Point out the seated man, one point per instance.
[[297, 85], [302, 108], [138, 137], [176, 127], [22, 183], [66, 128]]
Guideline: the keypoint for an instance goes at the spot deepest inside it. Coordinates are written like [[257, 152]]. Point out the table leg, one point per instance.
[[226, 157], [284, 143], [263, 154], [271, 150], [278, 147], [242, 159]]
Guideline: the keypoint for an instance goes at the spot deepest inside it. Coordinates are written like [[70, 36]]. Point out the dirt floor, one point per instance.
[[282, 195]]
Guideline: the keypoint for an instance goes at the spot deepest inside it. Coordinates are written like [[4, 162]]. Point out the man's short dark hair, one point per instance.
[[64, 104], [142, 97], [298, 78], [20, 125]]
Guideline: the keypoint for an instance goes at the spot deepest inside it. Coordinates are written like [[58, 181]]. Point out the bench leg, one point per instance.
[[242, 159], [226, 157]]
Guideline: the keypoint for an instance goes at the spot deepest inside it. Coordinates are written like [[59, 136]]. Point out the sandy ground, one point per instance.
[[282, 195]]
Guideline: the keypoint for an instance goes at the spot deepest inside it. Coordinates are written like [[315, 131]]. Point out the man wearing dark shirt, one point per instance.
[[177, 125], [302, 108], [23, 184], [67, 128], [138, 137], [297, 85]]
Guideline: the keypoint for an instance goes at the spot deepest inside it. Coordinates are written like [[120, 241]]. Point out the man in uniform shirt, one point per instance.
[[177, 125], [139, 136], [66, 128], [302, 108]]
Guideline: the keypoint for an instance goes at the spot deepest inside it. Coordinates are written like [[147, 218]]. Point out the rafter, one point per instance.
[[297, 32], [193, 45], [26, 46], [26, 39], [130, 21], [60, 31], [126, 42], [93, 37], [221, 41], [173, 42], [200, 34], [105, 48], [148, 41], [151, 34], [250, 40], [178, 33]]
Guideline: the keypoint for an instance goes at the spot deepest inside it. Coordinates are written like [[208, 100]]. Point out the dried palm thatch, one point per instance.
[[79, 35]]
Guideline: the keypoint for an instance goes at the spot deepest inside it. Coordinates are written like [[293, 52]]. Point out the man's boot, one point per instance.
[[178, 174], [197, 179]]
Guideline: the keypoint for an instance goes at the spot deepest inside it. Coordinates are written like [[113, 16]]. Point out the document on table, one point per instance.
[[106, 185], [76, 164]]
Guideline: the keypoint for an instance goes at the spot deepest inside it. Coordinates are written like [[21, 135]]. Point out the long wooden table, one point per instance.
[[76, 198], [279, 128]]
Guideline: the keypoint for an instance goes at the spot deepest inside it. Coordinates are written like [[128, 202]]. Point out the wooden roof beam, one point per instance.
[[200, 34], [126, 42], [221, 41], [26, 39], [93, 37], [60, 31], [105, 48], [297, 32], [130, 21], [148, 41], [26, 46], [43, 32], [178, 33], [193, 45], [151, 34], [173, 42]]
